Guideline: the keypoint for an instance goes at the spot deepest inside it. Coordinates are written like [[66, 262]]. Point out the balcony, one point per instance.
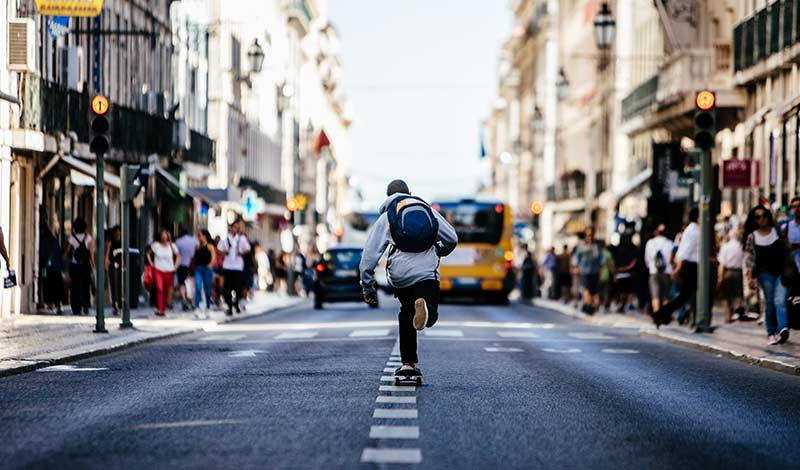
[[770, 30], [571, 185], [298, 10], [640, 99]]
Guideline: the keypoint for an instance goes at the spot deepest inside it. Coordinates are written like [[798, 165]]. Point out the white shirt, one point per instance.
[[186, 246], [659, 244], [730, 254], [85, 238], [234, 246], [164, 256], [688, 247]]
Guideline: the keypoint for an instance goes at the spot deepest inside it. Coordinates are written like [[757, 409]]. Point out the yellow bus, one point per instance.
[[482, 264]]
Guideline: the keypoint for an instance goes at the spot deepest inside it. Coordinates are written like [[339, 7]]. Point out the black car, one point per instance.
[[336, 276]]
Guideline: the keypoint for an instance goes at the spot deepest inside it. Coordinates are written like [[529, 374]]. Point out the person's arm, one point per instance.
[[748, 260], [91, 253], [213, 252], [150, 256], [244, 246], [377, 241], [107, 258], [448, 238], [177, 255], [3, 251]]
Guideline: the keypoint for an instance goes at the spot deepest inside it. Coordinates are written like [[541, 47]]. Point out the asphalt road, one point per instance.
[[505, 387]]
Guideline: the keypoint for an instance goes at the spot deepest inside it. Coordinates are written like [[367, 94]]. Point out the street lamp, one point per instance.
[[255, 57], [604, 26], [562, 85], [537, 119]]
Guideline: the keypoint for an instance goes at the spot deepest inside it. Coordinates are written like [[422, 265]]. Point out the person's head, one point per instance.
[[183, 231], [79, 225], [397, 186], [759, 217], [694, 214], [588, 235], [164, 236], [660, 230], [233, 228], [204, 237], [116, 233], [795, 206], [565, 249]]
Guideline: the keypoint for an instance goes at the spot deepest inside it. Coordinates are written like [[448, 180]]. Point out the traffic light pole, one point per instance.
[[126, 235], [100, 246], [703, 319]]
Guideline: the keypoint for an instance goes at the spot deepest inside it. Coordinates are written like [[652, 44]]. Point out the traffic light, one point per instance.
[[100, 126], [131, 182], [536, 209], [705, 119]]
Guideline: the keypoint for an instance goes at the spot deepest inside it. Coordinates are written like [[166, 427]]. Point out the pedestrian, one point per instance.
[[11, 279], [563, 275], [685, 269], [766, 253], [250, 269], [262, 261], [271, 279], [550, 273], [606, 277], [203, 260], [586, 263], [280, 273], [413, 264], [657, 256], [218, 283], [625, 262], [81, 253], [232, 248], [111, 261], [51, 268], [730, 281], [299, 268], [165, 259], [527, 277], [187, 244]]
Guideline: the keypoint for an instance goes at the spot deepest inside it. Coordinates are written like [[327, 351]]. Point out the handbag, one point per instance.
[[148, 277]]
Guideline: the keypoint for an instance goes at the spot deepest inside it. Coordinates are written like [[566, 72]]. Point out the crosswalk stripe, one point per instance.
[[565, 351], [389, 369], [394, 363], [398, 413], [620, 351], [397, 388], [394, 432], [362, 333], [590, 336], [394, 358], [516, 334], [383, 399], [502, 349], [446, 333], [387, 378], [297, 335], [391, 456], [222, 338]]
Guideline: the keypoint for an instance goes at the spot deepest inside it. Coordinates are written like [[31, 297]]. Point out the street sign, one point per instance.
[[58, 26], [100, 105], [85, 8], [740, 174]]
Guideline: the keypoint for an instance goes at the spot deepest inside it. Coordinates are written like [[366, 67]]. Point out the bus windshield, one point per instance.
[[475, 222]]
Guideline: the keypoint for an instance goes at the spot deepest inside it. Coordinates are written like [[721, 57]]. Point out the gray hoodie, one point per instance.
[[403, 269]]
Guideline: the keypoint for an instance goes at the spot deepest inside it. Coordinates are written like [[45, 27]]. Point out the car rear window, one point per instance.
[[344, 259]]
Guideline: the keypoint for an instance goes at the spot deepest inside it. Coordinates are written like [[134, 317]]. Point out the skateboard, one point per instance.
[[408, 377]]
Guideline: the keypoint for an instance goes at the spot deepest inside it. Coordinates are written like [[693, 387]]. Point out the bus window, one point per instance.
[[475, 222]]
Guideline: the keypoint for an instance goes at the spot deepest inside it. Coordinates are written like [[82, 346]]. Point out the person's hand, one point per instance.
[[371, 298], [675, 275], [751, 283]]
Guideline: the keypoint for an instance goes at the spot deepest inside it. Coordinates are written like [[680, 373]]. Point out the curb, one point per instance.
[[118, 347], [680, 340]]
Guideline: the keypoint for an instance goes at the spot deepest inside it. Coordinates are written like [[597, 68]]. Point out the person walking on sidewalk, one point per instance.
[[81, 253], [657, 255], [233, 247], [203, 261], [730, 281], [112, 265], [417, 237], [586, 261], [186, 244], [51, 267], [165, 259], [685, 269], [766, 253]]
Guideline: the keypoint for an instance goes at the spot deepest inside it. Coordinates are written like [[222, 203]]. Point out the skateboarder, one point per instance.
[[417, 236]]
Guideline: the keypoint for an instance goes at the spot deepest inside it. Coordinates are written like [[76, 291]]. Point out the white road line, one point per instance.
[[298, 335], [394, 363], [389, 370], [387, 378], [397, 388], [362, 333], [391, 456], [502, 349], [394, 358], [70, 368], [447, 333], [394, 432], [516, 334], [394, 413], [565, 351], [590, 335], [396, 399], [620, 351], [222, 338], [246, 353]]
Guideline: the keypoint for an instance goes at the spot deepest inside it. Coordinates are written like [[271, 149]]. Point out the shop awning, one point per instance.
[[574, 225], [184, 190], [637, 182], [88, 169]]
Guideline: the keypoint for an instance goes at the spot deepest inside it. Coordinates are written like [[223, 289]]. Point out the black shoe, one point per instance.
[[237, 308], [229, 312], [784, 335]]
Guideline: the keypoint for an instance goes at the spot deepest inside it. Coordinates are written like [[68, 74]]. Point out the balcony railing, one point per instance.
[[683, 73], [640, 99], [768, 31], [201, 150]]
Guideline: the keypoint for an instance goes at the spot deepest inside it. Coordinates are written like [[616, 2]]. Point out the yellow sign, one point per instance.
[[88, 8], [705, 100], [301, 200], [100, 105]]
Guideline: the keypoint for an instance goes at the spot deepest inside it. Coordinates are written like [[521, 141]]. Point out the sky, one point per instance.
[[421, 75]]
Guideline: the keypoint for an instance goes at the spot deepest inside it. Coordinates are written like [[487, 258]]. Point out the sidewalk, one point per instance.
[[743, 341], [28, 342]]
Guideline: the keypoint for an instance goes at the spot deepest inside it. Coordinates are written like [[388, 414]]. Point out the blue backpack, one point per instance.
[[413, 226]]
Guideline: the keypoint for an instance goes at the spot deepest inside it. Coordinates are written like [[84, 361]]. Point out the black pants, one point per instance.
[[428, 290], [79, 295], [233, 283], [688, 288]]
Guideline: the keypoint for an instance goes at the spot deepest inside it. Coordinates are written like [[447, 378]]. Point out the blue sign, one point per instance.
[[58, 26]]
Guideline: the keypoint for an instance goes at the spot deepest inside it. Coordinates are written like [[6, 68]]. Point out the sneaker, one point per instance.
[[783, 336], [772, 340], [420, 314]]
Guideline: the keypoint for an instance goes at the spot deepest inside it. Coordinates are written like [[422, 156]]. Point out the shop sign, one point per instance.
[[740, 174], [87, 8]]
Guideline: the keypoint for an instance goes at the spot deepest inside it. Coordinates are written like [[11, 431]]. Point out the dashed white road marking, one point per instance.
[[445, 333], [70, 368], [187, 424], [565, 351], [516, 334], [389, 369], [387, 378], [297, 335], [397, 388], [394, 413], [394, 363], [246, 353], [620, 351], [383, 399], [394, 358], [362, 333], [502, 349], [222, 337], [391, 456], [590, 336], [394, 432]]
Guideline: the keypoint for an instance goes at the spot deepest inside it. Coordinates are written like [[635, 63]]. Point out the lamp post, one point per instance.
[[255, 63], [604, 27], [562, 85]]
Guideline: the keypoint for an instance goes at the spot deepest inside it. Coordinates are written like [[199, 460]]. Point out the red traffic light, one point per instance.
[[705, 100]]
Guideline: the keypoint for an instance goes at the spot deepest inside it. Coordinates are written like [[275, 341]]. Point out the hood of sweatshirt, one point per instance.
[[388, 201]]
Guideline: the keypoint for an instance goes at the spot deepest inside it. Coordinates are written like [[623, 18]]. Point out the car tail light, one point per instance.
[[498, 208], [320, 268]]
